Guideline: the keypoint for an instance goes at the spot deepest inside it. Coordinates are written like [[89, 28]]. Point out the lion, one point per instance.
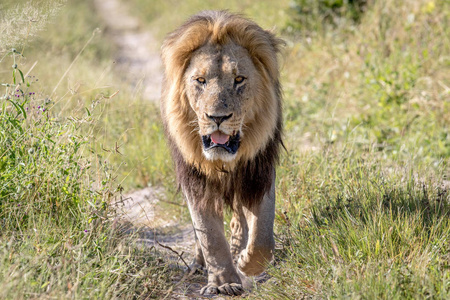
[[222, 114]]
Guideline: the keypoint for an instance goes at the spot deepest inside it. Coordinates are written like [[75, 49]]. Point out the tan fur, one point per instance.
[[223, 65]]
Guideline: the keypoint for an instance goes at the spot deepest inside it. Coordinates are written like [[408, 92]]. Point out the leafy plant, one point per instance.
[[310, 16]]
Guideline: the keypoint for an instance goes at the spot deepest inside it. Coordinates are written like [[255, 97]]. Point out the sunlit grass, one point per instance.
[[362, 190]]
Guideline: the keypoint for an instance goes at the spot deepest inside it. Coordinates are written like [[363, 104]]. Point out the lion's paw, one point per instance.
[[230, 289]]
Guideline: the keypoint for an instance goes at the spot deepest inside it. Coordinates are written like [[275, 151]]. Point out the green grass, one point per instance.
[[353, 227], [61, 236], [362, 190]]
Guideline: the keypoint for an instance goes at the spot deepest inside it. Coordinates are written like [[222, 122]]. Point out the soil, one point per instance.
[[137, 58]]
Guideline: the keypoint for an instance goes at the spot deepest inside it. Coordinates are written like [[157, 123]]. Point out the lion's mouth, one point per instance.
[[219, 139]]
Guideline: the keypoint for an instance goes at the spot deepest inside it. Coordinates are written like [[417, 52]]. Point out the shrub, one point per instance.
[[316, 16]]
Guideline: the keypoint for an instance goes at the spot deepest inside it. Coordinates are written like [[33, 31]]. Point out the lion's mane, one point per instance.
[[250, 175]]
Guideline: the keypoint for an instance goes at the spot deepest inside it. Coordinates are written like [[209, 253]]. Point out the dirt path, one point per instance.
[[139, 67], [138, 61]]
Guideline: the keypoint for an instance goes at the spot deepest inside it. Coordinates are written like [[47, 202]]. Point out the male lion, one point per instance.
[[221, 108]]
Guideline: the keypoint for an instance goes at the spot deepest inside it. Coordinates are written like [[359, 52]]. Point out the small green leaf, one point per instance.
[[21, 75], [19, 108], [45, 284]]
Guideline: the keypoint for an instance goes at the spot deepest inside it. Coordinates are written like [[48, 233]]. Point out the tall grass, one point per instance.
[[61, 233], [21, 22], [351, 226], [376, 81], [364, 207]]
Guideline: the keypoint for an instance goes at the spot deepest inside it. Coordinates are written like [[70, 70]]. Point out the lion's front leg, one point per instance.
[[222, 275], [239, 232], [259, 219], [198, 262]]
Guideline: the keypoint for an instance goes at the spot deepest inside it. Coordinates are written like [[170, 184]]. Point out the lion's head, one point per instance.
[[221, 95]]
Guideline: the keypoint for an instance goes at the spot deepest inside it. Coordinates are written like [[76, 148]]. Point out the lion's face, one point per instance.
[[220, 85]]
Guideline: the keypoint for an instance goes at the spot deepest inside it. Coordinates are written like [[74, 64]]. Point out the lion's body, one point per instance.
[[221, 108]]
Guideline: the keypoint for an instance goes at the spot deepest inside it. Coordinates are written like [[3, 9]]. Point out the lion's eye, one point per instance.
[[201, 80], [239, 79]]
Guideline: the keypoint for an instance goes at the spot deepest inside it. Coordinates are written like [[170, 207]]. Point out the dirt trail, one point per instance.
[[138, 61], [138, 65]]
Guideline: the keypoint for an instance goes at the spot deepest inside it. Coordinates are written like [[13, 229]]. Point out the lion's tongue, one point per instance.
[[219, 138]]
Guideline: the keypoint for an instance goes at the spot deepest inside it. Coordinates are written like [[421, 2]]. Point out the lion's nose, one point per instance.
[[219, 119]]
